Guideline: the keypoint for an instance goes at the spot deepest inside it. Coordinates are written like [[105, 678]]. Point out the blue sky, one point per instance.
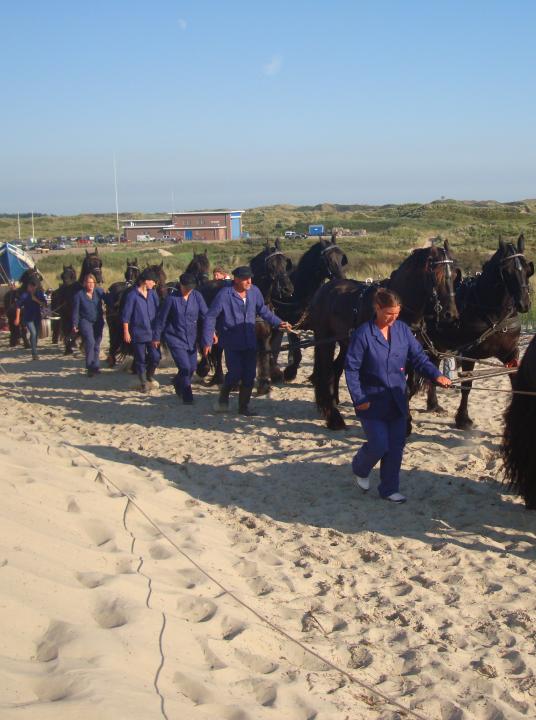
[[218, 103]]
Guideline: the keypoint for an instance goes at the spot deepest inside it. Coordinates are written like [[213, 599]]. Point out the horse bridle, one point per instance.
[[447, 262], [273, 277], [324, 252], [518, 266]]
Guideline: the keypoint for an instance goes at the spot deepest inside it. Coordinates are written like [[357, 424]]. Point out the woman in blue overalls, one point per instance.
[[376, 378], [88, 318], [177, 324], [138, 318]]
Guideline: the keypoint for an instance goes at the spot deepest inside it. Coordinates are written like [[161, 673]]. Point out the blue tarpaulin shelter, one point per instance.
[[13, 263]]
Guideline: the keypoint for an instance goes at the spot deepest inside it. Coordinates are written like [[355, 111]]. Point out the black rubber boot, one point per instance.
[[244, 396], [223, 400], [143, 382], [187, 395], [150, 374]]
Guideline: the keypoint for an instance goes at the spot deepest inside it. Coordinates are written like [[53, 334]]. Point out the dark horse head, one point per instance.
[[92, 263], [160, 287], [199, 266], [322, 261], [513, 271], [68, 275], [271, 273], [425, 283], [132, 271]]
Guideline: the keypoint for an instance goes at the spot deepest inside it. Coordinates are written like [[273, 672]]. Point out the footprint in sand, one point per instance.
[[101, 534], [402, 589], [110, 614], [57, 634], [72, 506], [92, 579], [257, 663], [213, 661], [246, 568], [260, 586], [159, 551], [190, 578], [360, 657], [265, 693], [194, 690], [53, 689], [230, 627], [196, 609]]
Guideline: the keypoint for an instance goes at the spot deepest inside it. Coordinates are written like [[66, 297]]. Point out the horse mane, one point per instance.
[[417, 260]]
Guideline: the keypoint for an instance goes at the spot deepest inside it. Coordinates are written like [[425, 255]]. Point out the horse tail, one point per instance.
[[518, 451]]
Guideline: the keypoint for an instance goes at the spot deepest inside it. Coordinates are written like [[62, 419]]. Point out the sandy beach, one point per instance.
[[108, 613]]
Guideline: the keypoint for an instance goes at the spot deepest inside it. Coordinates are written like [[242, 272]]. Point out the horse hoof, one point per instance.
[[464, 424], [263, 389], [289, 374], [276, 376], [111, 361], [335, 423], [436, 409]]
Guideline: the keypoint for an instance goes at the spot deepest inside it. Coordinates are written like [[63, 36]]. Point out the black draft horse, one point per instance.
[[113, 305], [18, 332], [91, 263], [425, 283], [270, 270], [322, 261], [489, 324], [518, 449], [67, 277]]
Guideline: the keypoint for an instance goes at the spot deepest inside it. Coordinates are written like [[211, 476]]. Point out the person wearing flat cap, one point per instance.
[[177, 323], [235, 309], [138, 318]]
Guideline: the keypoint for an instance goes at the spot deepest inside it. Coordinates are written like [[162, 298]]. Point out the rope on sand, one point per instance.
[[378, 693], [242, 603]]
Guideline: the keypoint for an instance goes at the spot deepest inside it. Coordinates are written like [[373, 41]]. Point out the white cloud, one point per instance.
[[273, 67], [182, 23]]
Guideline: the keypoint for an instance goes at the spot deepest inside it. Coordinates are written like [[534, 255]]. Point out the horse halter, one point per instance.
[[447, 262], [518, 267], [324, 253]]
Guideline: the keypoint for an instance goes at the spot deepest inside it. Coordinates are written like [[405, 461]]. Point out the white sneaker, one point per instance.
[[362, 483], [396, 498]]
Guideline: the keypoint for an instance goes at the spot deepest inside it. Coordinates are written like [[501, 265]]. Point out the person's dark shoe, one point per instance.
[[187, 396], [143, 382], [244, 396], [91, 372], [223, 400]]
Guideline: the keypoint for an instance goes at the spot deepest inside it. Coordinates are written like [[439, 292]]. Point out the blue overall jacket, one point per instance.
[[140, 314], [86, 309], [177, 319], [376, 369], [30, 310], [236, 318]]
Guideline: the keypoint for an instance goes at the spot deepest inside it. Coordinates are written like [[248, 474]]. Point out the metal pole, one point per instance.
[[18, 223], [33, 229], [116, 199]]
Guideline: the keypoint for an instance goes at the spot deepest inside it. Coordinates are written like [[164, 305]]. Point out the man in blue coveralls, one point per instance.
[[233, 312], [176, 323]]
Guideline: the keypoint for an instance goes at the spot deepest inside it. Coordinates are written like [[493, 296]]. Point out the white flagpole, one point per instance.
[[18, 223], [33, 229]]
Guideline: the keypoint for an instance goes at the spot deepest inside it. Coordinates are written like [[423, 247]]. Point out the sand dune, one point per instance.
[[430, 603]]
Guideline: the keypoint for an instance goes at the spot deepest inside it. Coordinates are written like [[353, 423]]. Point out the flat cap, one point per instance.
[[188, 280], [243, 272]]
